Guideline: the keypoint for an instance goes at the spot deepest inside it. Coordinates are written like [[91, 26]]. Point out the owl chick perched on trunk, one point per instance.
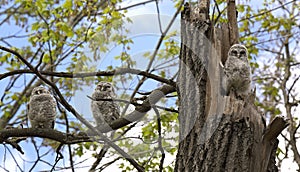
[[237, 71], [41, 108], [104, 111]]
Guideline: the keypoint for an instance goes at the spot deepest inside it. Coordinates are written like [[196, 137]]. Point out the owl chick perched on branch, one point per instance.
[[237, 71], [41, 108], [104, 111]]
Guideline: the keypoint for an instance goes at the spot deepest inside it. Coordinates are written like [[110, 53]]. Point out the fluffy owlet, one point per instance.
[[237, 71], [103, 111], [41, 108]]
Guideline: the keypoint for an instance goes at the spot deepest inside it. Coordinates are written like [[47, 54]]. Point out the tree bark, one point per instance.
[[217, 133]]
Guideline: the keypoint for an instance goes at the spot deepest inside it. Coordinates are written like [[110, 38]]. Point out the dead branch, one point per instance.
[[63, 101], [43, 133], [232, 19], [275, 128], [119, 71], [141, 110]]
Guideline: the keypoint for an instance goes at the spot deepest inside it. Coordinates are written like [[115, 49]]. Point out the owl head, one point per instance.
[[39, 91], [239, 51], [105, 87]]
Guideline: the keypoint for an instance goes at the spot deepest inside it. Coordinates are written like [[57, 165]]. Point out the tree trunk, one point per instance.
[[217, 133]]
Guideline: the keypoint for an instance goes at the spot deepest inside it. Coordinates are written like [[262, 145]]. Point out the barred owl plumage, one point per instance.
[[103, 111], [41, 108], [237, 71]]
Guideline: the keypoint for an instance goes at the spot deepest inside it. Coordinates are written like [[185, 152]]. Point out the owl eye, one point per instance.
[[243, 52], [234, 52], [107, 87]]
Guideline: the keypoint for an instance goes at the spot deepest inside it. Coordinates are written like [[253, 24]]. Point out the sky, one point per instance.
[[145, 33], [144, 30]]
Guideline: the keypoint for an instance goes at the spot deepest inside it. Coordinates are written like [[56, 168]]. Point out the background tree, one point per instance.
[[218, 132], [275, 42], [61, 44]]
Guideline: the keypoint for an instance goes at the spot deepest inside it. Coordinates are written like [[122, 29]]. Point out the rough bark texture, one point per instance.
[[217, 133]]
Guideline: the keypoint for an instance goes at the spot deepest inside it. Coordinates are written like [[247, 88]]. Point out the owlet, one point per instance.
[[41, 108], [103, 111], [237, 71]]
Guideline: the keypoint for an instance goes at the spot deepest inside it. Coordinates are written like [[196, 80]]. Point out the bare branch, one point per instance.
[[232, 19], [108, 164], [134, 103], [139, 111], [128, 7], [158, 17], [16, 162], [292, 86], [275, 128], [63, 101], [14, 143], [160, 147], [152, 58], [58, 157], [43, 133], [99, 157], [247, 18], [119, 71]]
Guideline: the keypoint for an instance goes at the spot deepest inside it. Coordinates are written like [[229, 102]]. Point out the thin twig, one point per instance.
[[160, 147], [99, 157], [119, 71], [73, 111], [12, 155], [154, 54], [126, 8], [158, 16], [265, 12], [58, 157], [69, 145], [133, 103]]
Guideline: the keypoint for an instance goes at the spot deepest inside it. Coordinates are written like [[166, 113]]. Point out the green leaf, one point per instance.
[[35, 26], [68, 4], [15, 97], [46, 58]]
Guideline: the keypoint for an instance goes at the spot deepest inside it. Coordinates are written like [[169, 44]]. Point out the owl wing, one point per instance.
[[246, 71], [52, 107], [31, 109], [111, 112], [97, 111], [51, 114], [228, 66], [28, 112], [116, 110]]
